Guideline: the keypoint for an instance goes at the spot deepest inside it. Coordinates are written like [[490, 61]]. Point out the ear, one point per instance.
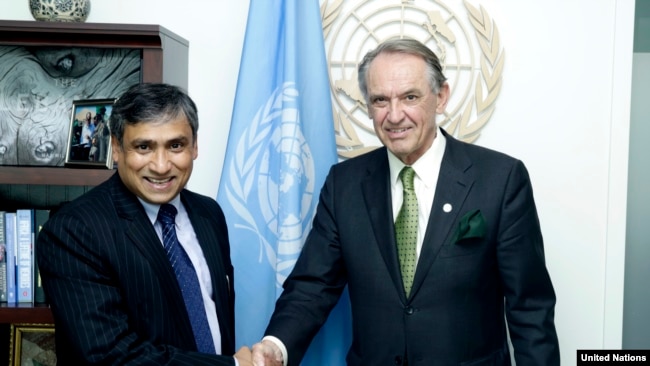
[[443, 98], [195, 149], [370, 112], [116, 150]]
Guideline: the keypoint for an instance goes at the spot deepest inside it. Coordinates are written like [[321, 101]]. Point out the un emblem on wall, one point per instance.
[[467, 44]]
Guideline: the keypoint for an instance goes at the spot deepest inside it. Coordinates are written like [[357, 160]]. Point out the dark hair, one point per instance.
[[407, 46], [151, 102]]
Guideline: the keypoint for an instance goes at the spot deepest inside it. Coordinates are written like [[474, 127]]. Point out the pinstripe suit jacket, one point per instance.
[[113, 293]]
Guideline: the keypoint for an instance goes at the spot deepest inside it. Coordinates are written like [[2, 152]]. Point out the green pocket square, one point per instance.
[[472, 225]]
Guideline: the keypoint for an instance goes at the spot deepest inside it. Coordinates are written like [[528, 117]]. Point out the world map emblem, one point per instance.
[[464, 37], [282, 207]]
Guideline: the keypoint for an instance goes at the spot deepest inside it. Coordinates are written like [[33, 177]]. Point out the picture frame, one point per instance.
[[89, 143], [32, 344]]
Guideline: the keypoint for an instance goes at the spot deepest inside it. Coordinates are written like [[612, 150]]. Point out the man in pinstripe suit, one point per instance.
[[113, 292]]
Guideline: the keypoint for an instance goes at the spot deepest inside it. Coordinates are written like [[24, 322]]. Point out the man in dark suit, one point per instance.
[[430, 281], [116, 296]]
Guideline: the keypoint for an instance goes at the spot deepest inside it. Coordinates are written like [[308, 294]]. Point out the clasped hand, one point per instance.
[[265, 353]]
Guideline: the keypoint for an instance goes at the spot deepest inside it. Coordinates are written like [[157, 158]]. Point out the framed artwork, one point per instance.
[[32, 344], [89, 138]]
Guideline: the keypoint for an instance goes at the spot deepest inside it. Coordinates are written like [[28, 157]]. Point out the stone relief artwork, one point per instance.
[[37, 88]]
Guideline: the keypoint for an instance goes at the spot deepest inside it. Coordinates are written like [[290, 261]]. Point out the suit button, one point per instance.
[[398, 360], [409, 310]]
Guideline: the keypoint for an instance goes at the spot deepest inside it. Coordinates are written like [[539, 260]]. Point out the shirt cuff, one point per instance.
[[280, 345]]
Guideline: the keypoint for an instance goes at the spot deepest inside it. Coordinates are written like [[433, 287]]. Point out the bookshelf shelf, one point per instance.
[[53, 176], [26, 313]]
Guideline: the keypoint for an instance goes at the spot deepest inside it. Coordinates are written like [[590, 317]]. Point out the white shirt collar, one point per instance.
[[424, 166], [152, 209]]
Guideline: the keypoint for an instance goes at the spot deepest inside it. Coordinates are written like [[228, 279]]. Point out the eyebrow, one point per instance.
[[177, 139], [401, 94]]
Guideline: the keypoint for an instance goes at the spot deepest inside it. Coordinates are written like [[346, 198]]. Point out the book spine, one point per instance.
[[10, 238], [40, 216], [3, 259], [24, 258]]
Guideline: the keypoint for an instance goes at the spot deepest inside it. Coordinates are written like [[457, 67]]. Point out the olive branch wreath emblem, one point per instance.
[[486, 90], [243, 173]]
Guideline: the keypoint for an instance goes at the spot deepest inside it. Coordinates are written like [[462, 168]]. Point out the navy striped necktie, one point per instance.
[[187, 280]]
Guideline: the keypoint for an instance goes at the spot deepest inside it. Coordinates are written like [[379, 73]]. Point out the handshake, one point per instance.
[[265, 353]]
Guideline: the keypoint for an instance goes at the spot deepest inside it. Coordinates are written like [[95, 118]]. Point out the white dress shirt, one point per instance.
[[427, 170]]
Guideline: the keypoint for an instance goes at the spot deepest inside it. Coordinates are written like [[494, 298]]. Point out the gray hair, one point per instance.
[[151, 102], [406, 46]]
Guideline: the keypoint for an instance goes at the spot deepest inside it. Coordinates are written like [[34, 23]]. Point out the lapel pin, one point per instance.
[[446, 207]]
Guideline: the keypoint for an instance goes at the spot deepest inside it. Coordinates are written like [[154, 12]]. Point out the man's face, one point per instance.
[[402, 106], [156, 159]]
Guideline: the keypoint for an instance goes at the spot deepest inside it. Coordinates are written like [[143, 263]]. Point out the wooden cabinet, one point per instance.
[[45, 66], [163, 58], [164, 54]]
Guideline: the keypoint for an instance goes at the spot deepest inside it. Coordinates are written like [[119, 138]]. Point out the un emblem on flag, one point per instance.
[[271, 181], [464, 38], [285, 195]]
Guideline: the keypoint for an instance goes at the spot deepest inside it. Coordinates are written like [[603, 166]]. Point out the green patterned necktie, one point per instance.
[[406, 229]]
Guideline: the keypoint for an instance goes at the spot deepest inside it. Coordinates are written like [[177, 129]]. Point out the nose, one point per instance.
[[395, 112], [160, 162]]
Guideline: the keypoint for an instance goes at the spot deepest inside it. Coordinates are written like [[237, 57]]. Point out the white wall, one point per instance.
[[563, 110]]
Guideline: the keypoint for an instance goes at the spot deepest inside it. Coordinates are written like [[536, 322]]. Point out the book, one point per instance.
[[3, 259], [10, 254], [24, 257], [40, 216]]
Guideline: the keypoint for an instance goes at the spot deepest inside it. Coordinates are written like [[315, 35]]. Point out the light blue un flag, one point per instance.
[[280, 148]]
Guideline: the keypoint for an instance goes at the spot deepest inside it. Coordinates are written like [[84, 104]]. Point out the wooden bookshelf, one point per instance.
[[163, 57], [164, 53]]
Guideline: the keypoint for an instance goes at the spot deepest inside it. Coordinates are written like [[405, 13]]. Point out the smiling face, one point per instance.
[[155, 159], [402, 105]]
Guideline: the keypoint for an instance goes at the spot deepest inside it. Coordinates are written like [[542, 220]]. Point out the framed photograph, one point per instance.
[[89, 140], [32, 344]]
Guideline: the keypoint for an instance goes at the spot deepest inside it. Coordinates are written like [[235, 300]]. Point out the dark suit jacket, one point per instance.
[[113, 293], [455, 312]]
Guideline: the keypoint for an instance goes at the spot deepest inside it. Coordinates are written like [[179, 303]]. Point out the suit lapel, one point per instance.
[[377, 197], [144, 239], [206, 234], [452, 189]]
